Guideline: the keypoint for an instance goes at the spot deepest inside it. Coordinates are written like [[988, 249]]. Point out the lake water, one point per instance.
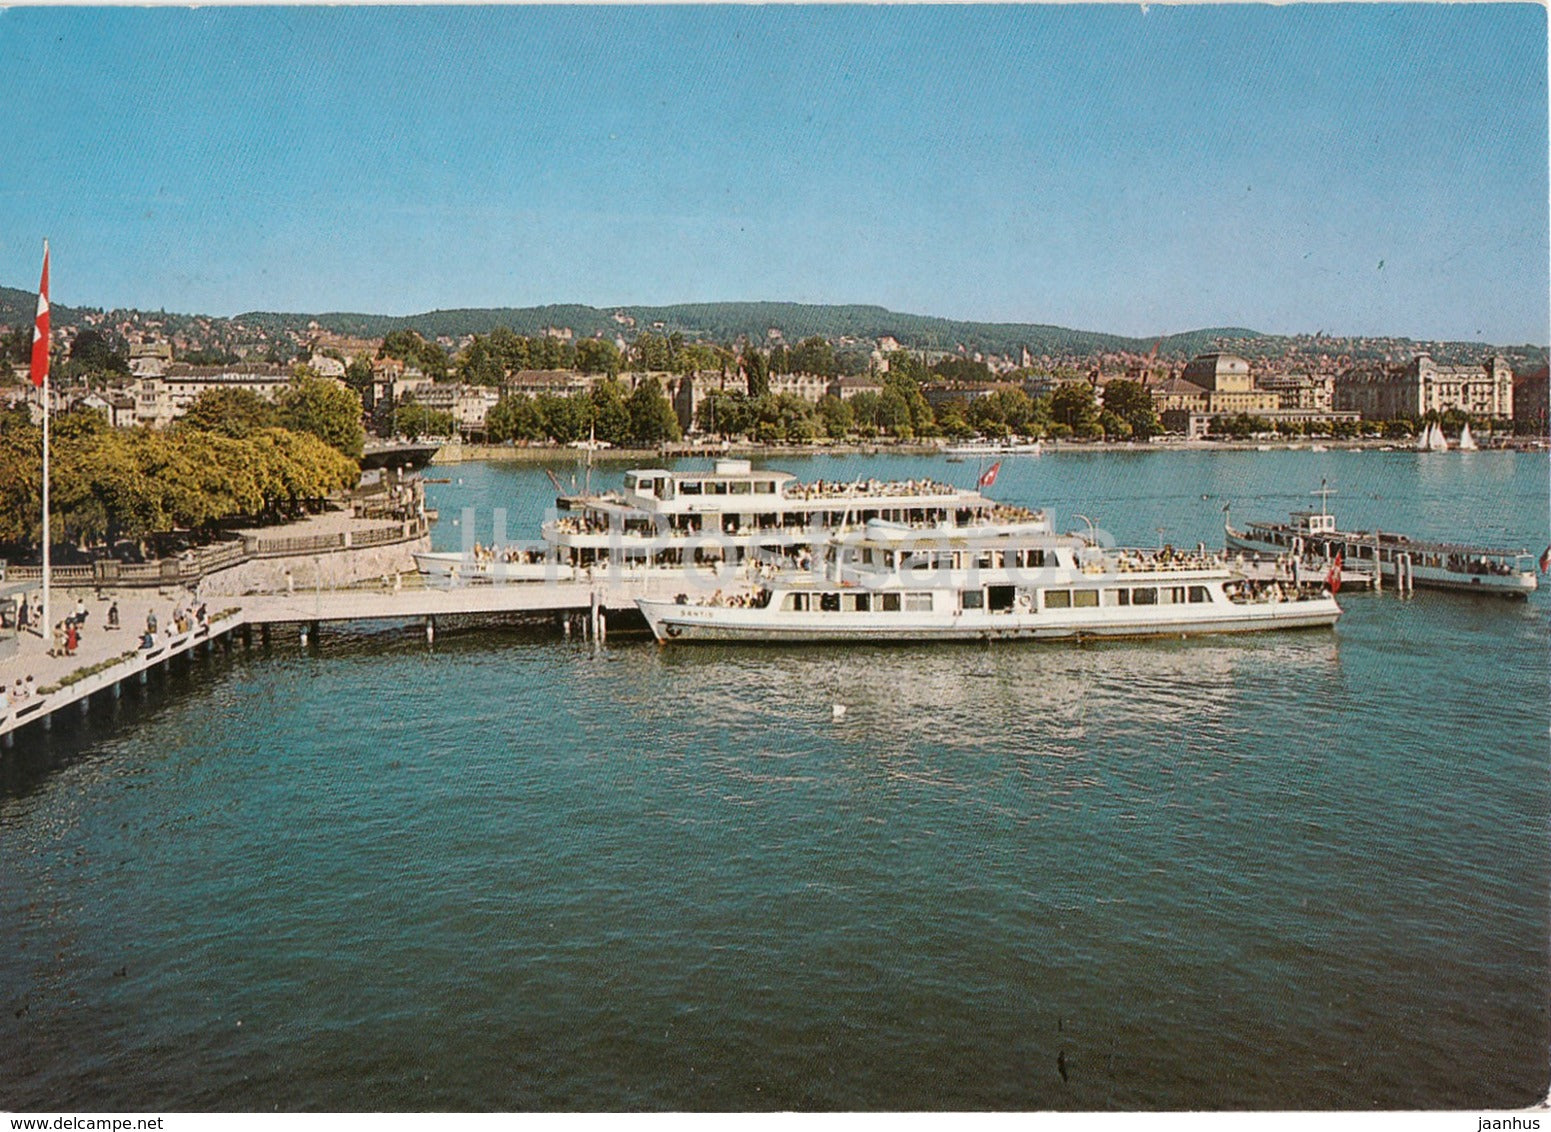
[[514, 872]]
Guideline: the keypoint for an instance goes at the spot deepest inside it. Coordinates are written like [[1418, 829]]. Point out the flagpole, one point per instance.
[[41, 339], [48, 624]]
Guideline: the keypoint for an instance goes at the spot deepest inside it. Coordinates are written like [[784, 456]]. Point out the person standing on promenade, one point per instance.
[[113, 615], [23, 615], [72, 638]]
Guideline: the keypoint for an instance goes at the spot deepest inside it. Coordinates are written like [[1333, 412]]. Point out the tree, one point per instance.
[[412, 349], [1114, 426], [894, 414], [961, 369], [358, 375], [514, 417], [724, 413], [1073, 404], [1130, 401], [324, 408], [479, 364], [953, 422], [597, 355], [835, 415], [813, 355], [564, 418], [652, 419], [611, 418], [415, 420], [652, 353], [904, 365], [237, 413], [757, 371], [92, 353]]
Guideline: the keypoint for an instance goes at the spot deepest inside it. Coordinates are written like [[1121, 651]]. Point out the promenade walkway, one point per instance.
[[105, 658]]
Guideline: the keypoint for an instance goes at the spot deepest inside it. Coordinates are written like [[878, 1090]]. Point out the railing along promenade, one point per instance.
[[578, 606], [195, 563]]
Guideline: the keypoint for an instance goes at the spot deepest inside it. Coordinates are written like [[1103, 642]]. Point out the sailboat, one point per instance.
[[1467, 443], [1432, 440]]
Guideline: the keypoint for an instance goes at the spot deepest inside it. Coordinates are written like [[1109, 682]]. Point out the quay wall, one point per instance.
[[322, 568], [643, 457]]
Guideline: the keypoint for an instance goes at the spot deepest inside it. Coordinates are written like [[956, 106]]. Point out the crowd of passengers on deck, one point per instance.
[[1168, 558], [823, 489]]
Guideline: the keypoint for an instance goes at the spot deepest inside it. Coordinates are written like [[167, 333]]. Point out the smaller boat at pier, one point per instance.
[[1435, 565]]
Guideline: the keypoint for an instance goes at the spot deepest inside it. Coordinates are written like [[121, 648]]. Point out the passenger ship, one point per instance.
[[991, 582], [726, 520], [1437, 565]]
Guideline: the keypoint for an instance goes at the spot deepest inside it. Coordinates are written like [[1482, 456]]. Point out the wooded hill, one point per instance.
[[727, 322]]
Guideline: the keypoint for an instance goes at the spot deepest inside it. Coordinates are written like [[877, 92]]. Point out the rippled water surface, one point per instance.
[[1289, 870]]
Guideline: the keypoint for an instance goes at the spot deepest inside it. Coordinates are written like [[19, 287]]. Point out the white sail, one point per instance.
[[1439, 442], [1424, 439], [1467, 443]]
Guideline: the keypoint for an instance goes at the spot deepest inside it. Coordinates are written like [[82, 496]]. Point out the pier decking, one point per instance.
[[107, 658]]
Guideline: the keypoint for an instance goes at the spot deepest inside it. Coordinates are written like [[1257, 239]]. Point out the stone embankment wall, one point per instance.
[[327, 569]]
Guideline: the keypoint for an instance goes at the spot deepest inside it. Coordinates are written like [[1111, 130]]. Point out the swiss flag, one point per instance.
[[40, 331], [988, 477], [1333, 579]]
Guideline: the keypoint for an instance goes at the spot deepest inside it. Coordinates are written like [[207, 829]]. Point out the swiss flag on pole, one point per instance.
[[1333, 579], [988, 477], [40, 332]]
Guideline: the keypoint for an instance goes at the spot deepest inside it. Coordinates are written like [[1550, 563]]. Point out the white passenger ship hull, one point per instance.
[[670, 621]]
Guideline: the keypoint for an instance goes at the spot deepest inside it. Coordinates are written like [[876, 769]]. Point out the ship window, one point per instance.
[[918, 603], [1198, 594], [1033, 559], [972, 599], [829, 603], [690, 487], [859, 603], [888, 559], [764, 487], [1000, 598], [890, 603], [741, 487], [1144, 595], [1117, 597], [716, 487], [1058, 599], [1085, 599], [795, 603]]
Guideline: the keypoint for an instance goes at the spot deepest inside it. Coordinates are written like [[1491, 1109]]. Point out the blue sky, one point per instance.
[[1365, 169]]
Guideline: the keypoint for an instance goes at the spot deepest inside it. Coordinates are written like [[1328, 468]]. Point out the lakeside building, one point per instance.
[[1422, 386], [809, 386], [149, 359], [468, 405], [847, 387], [1315, 393], [1229, 388], [1530, 401], [939, 394], [1216, 387]]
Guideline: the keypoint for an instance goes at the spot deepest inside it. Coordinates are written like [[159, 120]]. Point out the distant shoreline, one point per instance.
[[538, 454]]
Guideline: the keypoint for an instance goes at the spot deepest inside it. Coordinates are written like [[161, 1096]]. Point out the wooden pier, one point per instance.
[[582, 606]]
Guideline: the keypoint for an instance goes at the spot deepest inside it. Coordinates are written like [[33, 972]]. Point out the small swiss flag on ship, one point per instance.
[[1333, 579], [1545, 560], [988, 477]]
